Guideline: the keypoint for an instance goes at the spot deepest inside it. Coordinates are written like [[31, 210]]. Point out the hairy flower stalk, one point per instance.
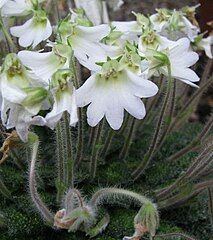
[[189, 106], [42, 208], [11, 46], [148, 156], [76, 70], [210, 195], [4, 190], [175, 234], [60, 184], [97, 140], [195, 142], [129, 139], [204, 158]]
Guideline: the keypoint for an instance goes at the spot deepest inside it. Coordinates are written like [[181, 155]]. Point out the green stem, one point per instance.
[[190, 104], [11, 45], [148, 156], [96, 148], [4, 190], [108, 142], [129, 138], [42, 208], [69, 152], [60, 184]]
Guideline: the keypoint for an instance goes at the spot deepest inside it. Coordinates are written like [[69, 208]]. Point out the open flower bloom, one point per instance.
[[205, 44], [173, 24], [151, 40], [110, 91], [160, 19], [178, 58], [45, 64], [18, 7], [19, 118], [84, 47], [64, 99], [20, 100], [34, 31]]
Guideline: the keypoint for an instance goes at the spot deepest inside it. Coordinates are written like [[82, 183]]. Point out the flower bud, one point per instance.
[[147, 219]]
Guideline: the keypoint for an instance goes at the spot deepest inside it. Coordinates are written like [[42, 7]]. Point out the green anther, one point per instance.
[[61, 78], [40, 18]]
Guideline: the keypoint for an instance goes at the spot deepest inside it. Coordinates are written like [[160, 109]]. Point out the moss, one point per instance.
[[23, 222]]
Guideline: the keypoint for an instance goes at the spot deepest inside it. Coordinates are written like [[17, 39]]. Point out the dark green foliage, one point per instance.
[[21, 220]]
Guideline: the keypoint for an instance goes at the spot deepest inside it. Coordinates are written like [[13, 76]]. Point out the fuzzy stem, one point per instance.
[[184, 179], [172, 235], [148, 156], [60, 160], [108, 142], [197, 141], [76, 70], [107, 193], [44, 211], [170, 117], [69, 152], [210, 196], [11, 45], [96, 149], [4, 190], [129, 138], [189, 105], [180, 198]]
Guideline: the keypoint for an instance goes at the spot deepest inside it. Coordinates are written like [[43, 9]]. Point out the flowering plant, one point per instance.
[[135, 68]]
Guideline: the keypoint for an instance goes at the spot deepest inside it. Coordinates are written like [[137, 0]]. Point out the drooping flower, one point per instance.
[[203, 44], [34, 31], [19, 7], [178, 59], [173, 25], [45, 64], [152, 40], [110, 91], [64, 99], [21, 99], [84, 47]]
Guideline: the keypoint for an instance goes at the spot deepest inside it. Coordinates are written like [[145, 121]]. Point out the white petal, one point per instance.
[[43, 65], [185, 74], [84, 93], [186, 60], [93, 34], [16, 8], [126, 27], [142, 87]]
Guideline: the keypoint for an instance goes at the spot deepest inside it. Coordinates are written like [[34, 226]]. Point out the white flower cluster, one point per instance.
[[121, 56]]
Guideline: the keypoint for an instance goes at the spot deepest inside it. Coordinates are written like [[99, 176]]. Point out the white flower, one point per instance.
[[152, 40], [179, 58], [160, 19], [2, 3], [92, 8], [16, 116], [64, 99], [45, 64], [34, 31], [20, 100], [17, 8], [84, 40], [205, 44], [110, 91]]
